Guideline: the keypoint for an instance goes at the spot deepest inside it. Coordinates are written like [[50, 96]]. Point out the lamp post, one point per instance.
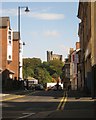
[[26, 10], [20, 43]]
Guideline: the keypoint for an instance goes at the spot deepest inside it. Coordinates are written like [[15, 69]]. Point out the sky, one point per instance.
[[49, 26]]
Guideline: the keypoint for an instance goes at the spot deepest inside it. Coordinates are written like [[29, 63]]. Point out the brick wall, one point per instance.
[[14, 65], [3, 40]]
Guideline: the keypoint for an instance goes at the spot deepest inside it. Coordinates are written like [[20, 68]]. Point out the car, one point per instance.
[[55, 87], [39, 87]]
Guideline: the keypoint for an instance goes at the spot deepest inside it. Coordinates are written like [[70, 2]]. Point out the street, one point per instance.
[[37, 103], [47, 104]]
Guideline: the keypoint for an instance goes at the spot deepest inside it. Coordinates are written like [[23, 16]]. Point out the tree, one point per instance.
[[29, 64], [55, 67], [42, 75], [44, 72]]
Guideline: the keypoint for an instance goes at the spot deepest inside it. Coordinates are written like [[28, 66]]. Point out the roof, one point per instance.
[[10, 71], [4, 21]]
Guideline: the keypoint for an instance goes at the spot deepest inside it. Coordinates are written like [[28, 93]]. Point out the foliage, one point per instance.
[[29, 64], [42, 75], [44, 72]]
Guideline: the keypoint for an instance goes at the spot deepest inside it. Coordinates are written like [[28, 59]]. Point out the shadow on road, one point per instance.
[[78, 104]]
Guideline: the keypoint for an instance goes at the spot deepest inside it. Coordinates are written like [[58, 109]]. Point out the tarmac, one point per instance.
[[77, 105]]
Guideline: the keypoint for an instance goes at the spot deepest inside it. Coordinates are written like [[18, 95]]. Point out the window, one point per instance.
[[10, 32], [9, 56], [9, 37], [9, 42]]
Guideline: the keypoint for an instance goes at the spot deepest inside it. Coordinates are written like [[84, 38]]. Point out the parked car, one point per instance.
[[39, 87], [55, 87]]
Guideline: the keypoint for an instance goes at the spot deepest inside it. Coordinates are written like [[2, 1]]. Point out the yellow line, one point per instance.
[[62, 102], [58, 108], [12, 98], [62, 107]]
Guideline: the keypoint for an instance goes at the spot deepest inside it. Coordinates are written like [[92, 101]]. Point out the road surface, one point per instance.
[[47, 104]]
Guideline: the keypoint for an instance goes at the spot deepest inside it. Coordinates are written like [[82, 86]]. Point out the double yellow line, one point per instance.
[[62, 102]]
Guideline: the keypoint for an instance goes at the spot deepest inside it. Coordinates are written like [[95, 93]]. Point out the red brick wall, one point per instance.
[[3, 40], [14, 65]]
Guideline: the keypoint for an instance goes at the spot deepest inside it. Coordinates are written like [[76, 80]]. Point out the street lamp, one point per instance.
[[20, 42], [26, 10]]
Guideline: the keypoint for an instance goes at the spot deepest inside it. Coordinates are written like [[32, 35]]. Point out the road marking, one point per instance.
[[26, 115], [62, 107], [66, 95], [11, 98], [15, 97], [62, 102]]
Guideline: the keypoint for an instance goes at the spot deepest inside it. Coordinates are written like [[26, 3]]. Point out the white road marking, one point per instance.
[[26, 115]]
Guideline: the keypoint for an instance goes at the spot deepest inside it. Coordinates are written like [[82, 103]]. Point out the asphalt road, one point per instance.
[[48, 104], [37, 104]]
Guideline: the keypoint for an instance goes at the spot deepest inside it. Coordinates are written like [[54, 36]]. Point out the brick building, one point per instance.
[[9, 54]]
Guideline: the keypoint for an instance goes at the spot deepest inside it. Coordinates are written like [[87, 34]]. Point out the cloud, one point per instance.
[[52, 33], [8, 12], [47, 16], [41, 15], [41, 9]]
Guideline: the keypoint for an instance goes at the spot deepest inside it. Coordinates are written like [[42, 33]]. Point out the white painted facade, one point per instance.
[[9, 44], [20, 60]]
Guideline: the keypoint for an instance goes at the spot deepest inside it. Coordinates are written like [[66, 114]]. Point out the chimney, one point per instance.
[[71, 50], [77, 45]]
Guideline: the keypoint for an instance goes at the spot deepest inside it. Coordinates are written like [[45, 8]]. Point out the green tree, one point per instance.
[[44, 72], [29, 64], [42, 75], [55, 67]]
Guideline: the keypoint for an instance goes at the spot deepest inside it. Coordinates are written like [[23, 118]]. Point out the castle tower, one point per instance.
[[49, 55]]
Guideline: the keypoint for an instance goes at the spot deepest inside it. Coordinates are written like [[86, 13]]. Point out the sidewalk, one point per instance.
[[78, 105]]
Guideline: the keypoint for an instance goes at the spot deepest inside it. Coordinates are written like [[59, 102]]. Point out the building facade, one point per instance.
[[51, 56], [66, 73], [87, 35], [74, 67], [9, 54], [14, 65]]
